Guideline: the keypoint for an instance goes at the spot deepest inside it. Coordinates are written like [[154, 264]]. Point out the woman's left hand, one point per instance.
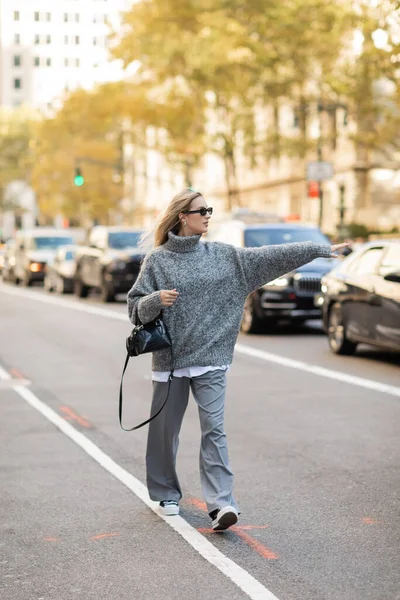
[[337, 247]]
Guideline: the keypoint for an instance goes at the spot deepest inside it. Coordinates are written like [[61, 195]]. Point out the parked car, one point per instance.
[[59, 274], [2, 250], [361, 299], [110, 262], [290, 297], [7, 271], [34, 248]]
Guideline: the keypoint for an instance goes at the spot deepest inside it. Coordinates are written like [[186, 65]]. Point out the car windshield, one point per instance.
[[254, 238], [51, 242], [118, 240]]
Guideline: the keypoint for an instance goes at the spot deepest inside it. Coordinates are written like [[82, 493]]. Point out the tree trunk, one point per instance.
[[277, 133], [231, 179]]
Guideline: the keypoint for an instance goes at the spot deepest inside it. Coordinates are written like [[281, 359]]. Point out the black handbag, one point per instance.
[[150, 337]]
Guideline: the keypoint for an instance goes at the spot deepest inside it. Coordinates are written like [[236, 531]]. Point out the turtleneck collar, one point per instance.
[[178, 243]]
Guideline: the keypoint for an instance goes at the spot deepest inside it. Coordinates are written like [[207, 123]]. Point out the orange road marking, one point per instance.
[[50, 539], [239, 530], [256, 545], [104, 535], [198, 504], [71, 415], [369, 521], [250, 541], [16, 373]]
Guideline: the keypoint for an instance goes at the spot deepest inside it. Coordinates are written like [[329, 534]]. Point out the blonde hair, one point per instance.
[[169, 220]]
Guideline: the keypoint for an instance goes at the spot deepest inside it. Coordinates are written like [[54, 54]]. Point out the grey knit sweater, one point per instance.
[[213, 280]]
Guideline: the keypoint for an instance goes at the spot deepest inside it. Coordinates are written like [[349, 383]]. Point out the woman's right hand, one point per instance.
[[168, 297]]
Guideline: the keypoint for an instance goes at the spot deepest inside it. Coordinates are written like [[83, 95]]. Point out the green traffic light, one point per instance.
[[78, 179]]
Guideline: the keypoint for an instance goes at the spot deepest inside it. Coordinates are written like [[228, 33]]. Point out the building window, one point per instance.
[[36, 61], [94, 41], [16, 15], [76, 17], [65, 39], [48, 62], [37, 39], [17, 83], [48, 16], [65, 62], [17, 39], [48, 39], [37, 16], [77, 62], [17, 60], [65, 17], [77, 39]]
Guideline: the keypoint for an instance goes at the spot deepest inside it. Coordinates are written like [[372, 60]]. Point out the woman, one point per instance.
[[201, 289]]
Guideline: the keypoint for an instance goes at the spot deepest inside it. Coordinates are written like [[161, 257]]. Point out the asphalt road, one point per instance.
[[316, 459]]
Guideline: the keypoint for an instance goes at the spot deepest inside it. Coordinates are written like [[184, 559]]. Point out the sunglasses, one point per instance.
[[202, 211]]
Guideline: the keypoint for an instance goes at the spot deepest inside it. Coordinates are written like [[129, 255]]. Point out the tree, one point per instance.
[[85, 128], [369, 82], [246, 56], [200, 54], [15, 152]]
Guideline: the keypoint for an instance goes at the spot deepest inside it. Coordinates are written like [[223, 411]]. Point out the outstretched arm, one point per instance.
[[261, 265]]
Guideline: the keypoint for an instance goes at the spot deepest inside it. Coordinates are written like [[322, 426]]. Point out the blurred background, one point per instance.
[[108, 108]]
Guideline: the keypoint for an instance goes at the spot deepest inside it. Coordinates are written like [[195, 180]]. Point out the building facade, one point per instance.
[[277, 186], [48, 48]]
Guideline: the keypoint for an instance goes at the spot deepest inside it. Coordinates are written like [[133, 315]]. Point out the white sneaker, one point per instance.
[[169, 508], [226, 517]]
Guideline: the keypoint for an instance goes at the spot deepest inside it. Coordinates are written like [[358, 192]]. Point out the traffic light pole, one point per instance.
[[324, 107], [320, 188]]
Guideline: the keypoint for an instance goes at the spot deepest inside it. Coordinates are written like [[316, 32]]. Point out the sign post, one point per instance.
[[319, 171]]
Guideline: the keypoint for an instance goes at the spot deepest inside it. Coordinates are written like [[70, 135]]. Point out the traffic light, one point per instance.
[[78, 179]]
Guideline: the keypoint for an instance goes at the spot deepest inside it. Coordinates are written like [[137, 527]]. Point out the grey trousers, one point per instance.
[[163, 439]]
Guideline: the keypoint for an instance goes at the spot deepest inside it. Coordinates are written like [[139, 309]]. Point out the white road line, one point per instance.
[[246, 582], [4, 375], [241, 348], [316, 370], [55, 301]]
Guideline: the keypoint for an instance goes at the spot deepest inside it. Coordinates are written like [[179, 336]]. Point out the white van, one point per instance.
[[34, 248]]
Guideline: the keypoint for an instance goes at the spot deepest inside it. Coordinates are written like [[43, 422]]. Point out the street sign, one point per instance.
[[319, 170]]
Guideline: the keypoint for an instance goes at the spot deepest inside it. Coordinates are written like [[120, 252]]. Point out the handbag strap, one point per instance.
[[170, 378]]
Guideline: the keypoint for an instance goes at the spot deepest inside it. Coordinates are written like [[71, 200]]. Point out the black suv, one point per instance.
[[110, 262], [361, 299], [293, 296]]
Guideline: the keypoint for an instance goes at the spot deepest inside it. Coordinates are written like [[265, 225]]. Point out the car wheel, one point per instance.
[[27, 281], [81, 290], [337, 338], [60, 285], [106, 292], [251, 323], [47, 284]]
